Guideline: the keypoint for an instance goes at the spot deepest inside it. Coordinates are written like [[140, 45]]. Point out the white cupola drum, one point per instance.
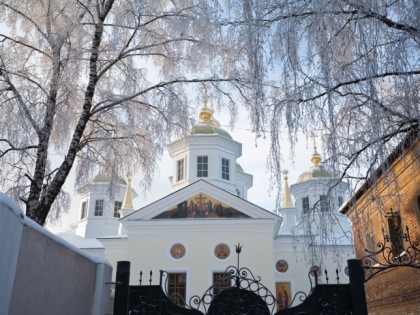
[[209, 153]]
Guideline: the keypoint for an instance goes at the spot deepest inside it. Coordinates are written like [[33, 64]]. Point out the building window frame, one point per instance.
[[202, 166], [180, 169], [225, 168], [305, 204], [83, 211], [371, 243], [99, 208], [117, 208], [395, 233], [340, 200], [177, 287], [323, 203], [221, 281]]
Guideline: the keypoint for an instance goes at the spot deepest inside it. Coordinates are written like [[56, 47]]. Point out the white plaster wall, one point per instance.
[[299, 265], [213, 146], [149, 249], [115, 250], [94, 226], [11, 226]]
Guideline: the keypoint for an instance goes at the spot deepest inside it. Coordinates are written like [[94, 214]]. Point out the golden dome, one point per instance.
[[103, 178], [205, 114], [316, 170], [208, 125]]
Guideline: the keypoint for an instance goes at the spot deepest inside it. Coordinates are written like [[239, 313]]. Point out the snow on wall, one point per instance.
[[39, 266]]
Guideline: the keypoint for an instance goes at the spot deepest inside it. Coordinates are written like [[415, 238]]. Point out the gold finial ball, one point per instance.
[[286, 173], [205, 114], [316, 158]]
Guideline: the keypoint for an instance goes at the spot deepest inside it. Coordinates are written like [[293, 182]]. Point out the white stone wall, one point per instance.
[[42, 274], [149, 247]]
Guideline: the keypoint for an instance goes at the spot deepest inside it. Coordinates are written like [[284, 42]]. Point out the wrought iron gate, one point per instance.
[[247, 296]]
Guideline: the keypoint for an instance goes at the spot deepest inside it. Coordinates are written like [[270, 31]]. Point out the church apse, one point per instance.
[[201, 206]]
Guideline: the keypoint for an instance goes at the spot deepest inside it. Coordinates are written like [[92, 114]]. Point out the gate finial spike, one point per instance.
[[238, 249]]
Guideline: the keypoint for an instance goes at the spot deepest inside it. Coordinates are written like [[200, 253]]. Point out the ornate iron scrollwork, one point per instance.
[[397, 250], [238, 291], [247, 295]]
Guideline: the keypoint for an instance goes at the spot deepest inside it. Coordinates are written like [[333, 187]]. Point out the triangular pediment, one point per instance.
[[201, 206], [200, 200]]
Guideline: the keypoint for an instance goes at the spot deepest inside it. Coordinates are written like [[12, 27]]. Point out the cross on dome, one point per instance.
[[206, 113], [316, 157]]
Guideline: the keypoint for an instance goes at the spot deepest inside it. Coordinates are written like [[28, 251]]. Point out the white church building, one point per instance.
[[191, 233]]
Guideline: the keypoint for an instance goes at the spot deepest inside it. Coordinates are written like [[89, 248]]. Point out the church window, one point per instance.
[[179, 170], [225, 169], [117, 208], [202, 166], [323, 203], [84, 210], [340, 201], [221, 281], [305, 204], [177, 287], [395, 232], [99, 208]]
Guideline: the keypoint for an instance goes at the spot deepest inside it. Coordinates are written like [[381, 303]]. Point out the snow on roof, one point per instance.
[[117, 236], [81, 242]]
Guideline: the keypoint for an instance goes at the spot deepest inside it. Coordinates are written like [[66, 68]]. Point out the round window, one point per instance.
[[222, 251], [282, 266], [177, 251]]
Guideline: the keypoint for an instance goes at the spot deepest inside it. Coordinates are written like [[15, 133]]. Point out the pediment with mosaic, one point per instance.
[[201, 206]]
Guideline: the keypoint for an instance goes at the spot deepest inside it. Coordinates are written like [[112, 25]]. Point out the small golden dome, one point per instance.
[[208, 125], [103, 178], [316, 158], [316, 170], [205, 114]]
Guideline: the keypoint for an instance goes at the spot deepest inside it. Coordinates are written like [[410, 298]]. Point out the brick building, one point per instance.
[[387, 203]]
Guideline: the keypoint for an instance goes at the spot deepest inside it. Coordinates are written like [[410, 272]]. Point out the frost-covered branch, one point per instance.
[[11, 147], [97, 82]]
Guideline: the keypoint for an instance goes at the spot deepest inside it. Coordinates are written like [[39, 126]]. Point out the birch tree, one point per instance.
[[101, 85], [347, 68]]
